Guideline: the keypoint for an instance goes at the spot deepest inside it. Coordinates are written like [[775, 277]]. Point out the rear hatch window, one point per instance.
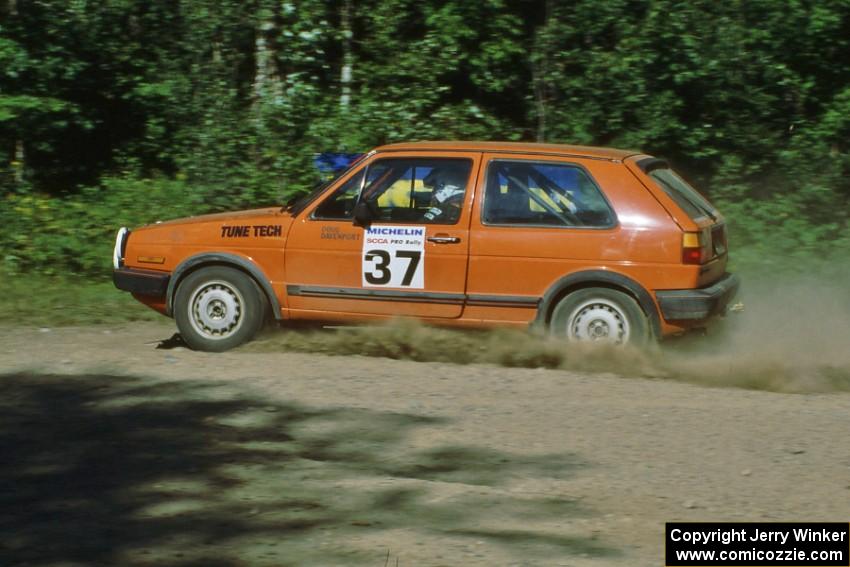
[[685, 196]]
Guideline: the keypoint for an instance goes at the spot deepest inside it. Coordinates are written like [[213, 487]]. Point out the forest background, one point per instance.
[[123, 112]]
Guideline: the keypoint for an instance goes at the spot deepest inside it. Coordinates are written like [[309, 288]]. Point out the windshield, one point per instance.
[[298, 203]]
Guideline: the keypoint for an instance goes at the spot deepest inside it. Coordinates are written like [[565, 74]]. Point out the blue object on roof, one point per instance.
[[333, 162]]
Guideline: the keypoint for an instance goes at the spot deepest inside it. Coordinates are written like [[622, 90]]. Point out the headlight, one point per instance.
[[120, 246]]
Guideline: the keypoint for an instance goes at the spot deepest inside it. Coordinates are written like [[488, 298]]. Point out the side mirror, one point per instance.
[[363, 214]]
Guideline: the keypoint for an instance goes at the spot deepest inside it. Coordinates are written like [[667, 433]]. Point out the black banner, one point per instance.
[[808, 544]]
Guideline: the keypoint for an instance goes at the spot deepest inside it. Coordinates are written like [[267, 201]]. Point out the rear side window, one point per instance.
[[685, 196], [543, 194]]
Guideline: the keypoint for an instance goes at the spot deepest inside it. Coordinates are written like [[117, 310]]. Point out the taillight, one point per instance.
[[718, 240], [696, 247]]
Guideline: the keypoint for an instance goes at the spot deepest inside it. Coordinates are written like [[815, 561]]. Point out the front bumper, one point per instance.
[[141, 282], [702, 303]]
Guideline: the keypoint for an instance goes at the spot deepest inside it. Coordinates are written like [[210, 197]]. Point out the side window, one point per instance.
[[340, 205], [419, 190], [547, 194]]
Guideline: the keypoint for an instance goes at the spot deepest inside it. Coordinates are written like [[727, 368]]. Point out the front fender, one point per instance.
[[220, 259]]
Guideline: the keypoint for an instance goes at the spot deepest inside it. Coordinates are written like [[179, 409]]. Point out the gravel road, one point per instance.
[[119, 453]]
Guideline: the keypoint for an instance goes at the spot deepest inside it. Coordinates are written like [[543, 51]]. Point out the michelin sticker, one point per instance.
[[394, 256]]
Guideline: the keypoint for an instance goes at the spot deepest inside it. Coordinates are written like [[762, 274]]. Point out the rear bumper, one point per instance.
[[702, 303], [141, 282]]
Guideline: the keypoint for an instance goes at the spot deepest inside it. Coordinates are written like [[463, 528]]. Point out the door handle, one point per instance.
[[443, 239]]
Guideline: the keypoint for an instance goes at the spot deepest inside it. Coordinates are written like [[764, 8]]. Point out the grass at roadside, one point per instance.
[[35, 300]]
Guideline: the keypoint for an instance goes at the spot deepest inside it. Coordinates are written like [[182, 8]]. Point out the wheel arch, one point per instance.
[[206, 259], [597, 278]]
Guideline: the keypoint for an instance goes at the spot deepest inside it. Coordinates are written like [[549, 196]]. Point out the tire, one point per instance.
[[600, 315], [218, 308]]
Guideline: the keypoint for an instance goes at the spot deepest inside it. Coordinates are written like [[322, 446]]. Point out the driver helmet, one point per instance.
[[448, 183]]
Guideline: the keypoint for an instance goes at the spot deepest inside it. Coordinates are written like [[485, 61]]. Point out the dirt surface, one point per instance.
[[119, 453]]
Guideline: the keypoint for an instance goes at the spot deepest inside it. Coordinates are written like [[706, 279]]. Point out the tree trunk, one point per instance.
[[540, 69], [12, 6], [347, 56], [539, 100], [267, 85], [18, 162]]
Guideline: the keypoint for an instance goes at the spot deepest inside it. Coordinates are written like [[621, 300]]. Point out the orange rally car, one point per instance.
[[590, 243]]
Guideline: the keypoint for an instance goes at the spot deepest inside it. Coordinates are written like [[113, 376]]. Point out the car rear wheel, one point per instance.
[[600, 315], [218, 308]]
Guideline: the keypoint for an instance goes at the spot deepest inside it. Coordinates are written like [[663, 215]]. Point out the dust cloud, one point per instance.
[[793, 335]]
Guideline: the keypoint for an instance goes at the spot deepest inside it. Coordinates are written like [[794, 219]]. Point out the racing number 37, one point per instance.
[[382, 269], [393, 256]]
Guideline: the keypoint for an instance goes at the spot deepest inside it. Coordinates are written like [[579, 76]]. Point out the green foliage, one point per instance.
[[75, 234], [18, 107], [123, 111], [776, 234]]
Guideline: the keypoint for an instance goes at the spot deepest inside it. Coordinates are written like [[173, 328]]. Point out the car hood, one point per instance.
[[257, 228], [228, 217]]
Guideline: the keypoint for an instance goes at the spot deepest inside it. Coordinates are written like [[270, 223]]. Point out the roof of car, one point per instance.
[[512, 147]]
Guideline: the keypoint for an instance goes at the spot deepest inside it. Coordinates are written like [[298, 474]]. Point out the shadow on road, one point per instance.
[[116, 470]]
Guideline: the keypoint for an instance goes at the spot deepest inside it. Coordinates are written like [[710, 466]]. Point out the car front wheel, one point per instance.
[[600, 316], [218, 308]]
